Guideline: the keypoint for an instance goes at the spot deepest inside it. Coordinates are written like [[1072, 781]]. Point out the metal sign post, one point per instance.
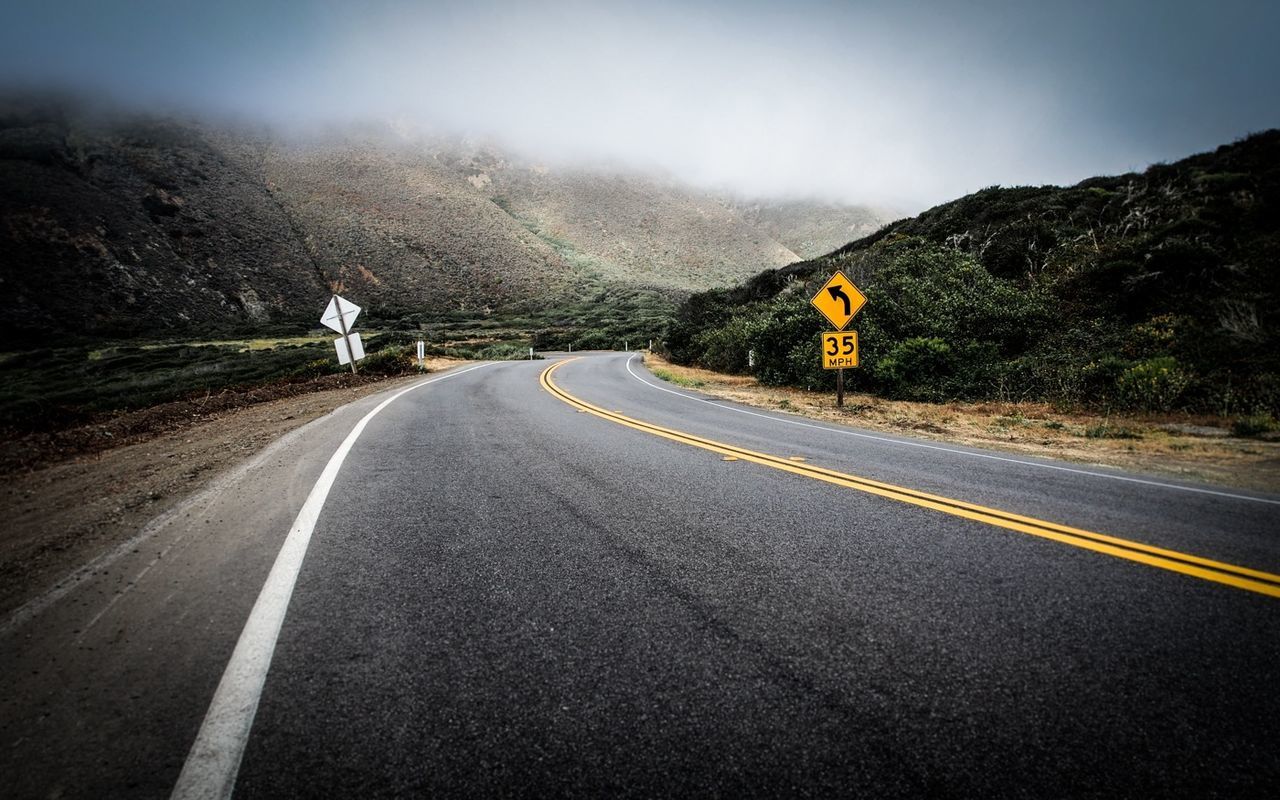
[[839, 301], [346, 337]]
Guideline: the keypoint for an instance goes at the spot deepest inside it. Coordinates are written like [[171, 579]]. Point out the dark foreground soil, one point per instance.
[[70, 495]]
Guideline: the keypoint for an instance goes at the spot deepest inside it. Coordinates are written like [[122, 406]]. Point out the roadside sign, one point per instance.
[[839, 349], [345, 352], [340, 315], [839, 300]]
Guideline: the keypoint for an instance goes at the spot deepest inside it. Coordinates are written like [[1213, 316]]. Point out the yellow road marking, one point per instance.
[[729, 458], [1206, 569]]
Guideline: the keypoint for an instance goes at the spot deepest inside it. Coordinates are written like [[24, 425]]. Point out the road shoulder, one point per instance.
[[1173, 447], [62, 516]]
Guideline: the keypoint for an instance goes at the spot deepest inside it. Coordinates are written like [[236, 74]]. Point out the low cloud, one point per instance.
[[906, 103]]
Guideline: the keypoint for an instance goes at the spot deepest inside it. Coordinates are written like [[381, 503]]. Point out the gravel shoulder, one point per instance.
[[92, 489]]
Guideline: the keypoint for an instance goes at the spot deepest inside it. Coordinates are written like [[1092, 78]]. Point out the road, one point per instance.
[[590, 582]]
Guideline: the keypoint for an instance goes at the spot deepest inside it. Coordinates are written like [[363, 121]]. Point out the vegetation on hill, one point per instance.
[[1156, 291], [53, 388]]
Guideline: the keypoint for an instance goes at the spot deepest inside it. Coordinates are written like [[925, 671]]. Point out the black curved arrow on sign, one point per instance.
[[837, 293]]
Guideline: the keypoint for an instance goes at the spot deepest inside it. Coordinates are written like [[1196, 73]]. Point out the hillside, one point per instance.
[[1158, 290], [404, 232], [626, 227], [125, 229], [128, 225], [811, 229]]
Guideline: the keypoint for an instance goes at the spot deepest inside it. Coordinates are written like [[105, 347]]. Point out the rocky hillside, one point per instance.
[[1156, 290], [122, 226], [125, 229]]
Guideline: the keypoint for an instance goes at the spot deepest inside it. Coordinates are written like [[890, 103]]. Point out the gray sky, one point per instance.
[[906, 102]]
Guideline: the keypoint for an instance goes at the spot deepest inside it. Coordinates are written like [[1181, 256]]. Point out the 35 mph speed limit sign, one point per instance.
[[839, 349]]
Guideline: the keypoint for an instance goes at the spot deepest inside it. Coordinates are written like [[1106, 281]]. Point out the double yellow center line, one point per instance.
[[1206, 569]]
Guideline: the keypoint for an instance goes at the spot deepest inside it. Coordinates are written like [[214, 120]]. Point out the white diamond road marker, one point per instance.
[[341, 344], [339, 305]]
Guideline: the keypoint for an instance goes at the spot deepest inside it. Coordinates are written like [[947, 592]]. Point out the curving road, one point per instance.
[[590, 582]]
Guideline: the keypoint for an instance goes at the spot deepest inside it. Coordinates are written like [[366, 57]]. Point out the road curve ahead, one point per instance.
[[569, 578]]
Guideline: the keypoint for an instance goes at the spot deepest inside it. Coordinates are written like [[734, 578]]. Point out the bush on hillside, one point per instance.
[[1153, 385], [503, 352], [1153, 291], [395, 360]]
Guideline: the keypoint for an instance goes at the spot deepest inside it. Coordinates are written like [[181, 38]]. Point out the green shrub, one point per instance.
[[504, 351], [784, 335], [1254, 425], [592, 340], [1152, 385], [388, 361], [804, 363], [318, 367], [726, 348], [917, 369]]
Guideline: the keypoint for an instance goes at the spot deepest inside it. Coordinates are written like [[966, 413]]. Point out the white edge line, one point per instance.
[[923, 445], [214, 759]]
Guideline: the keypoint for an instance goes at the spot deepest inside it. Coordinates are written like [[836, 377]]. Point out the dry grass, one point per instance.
[[1141, 443], [439, 363]]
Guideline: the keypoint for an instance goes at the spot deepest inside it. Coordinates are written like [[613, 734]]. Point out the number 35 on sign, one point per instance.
[[839, 349]]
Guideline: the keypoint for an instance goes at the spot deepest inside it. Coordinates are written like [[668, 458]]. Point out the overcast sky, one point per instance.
[[902, 102]]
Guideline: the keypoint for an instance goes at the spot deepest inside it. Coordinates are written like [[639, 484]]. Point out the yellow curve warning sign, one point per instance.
[[839, 349], [839, 300]]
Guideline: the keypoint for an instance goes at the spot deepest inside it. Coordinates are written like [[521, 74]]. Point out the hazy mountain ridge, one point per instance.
[[1152, 290], [812, 228], [118, 226], [144, 228], [635, 228], [403, 231]]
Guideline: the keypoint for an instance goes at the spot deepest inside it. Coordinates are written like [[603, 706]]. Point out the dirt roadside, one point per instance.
[[1190, 448], [94, 488]]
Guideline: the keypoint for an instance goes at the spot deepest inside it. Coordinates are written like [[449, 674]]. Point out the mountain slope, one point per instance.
[[402, 231], [131, 225], [1154, 290], [811, 229], [633, 228], [127, 230]]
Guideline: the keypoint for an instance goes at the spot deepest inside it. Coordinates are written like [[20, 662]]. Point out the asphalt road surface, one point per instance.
[[593, 583]]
